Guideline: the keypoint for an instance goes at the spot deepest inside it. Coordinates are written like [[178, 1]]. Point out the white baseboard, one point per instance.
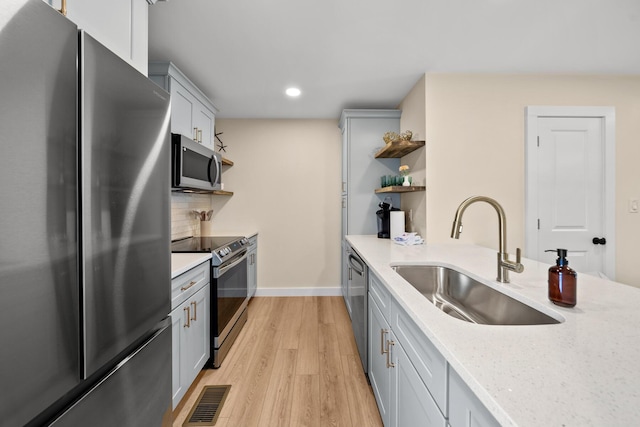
[[298, 292]]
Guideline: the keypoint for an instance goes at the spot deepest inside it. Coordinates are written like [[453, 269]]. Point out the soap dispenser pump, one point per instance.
[[562, 281]]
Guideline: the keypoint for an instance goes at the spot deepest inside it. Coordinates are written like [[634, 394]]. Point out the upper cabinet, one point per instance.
[[120, 25], [192, 113]]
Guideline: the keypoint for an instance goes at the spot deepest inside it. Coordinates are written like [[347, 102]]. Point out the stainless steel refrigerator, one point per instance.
[[84, 230]]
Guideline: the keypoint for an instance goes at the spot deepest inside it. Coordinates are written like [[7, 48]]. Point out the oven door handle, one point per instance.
[[219, 271]]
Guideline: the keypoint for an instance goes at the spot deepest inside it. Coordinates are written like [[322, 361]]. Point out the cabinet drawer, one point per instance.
[[188, 283], [380, 295], [427, 360]]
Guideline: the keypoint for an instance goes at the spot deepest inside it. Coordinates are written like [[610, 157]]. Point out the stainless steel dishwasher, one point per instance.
[[357, 290]]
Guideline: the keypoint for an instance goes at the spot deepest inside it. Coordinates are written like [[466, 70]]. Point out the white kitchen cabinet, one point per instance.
[[379, 372], [120, 25], [190, 328], [403, 393], [465, 410], [411, 402], [252, 266], [192, 113], [429, 363]]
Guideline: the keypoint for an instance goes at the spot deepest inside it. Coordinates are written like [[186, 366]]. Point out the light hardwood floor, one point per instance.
[[295, 364]]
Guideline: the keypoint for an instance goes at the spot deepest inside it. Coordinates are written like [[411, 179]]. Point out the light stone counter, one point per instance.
[[584, 371], [182, 262]]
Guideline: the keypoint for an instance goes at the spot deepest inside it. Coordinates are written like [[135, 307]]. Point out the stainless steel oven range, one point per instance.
[[229, 292]]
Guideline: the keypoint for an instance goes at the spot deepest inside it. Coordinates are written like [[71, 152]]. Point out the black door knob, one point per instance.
[[599, 241]]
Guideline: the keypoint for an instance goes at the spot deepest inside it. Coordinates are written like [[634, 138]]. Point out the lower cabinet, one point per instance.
[[402, 397], [411, 380], [379, 372], [465, 410], [191, 349], [411, 402]]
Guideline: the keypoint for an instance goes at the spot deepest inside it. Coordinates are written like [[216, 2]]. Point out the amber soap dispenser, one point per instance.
[[562, 281]]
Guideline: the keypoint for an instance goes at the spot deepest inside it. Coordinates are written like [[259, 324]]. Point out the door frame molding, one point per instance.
[[607, 114]]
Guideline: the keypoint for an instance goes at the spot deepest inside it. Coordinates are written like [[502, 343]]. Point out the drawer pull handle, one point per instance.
[[184, 288], [194, 304], [390, 364], [383, 332], [188, 323]]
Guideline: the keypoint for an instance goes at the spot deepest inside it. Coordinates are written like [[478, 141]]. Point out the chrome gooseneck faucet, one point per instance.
[[504, 264]]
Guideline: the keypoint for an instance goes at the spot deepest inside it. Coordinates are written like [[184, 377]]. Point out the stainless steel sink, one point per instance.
[[465, 298]]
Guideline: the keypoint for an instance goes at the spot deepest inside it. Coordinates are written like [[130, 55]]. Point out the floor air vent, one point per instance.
[[207, 408]]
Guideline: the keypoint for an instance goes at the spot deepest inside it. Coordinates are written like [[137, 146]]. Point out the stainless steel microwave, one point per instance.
[[194, 167]]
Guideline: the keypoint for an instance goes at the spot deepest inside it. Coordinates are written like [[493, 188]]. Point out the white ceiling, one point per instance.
[[369, 53]]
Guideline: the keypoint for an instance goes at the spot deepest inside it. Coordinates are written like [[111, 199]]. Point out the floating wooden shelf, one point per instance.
[[398, 149], [400, 189], [226, 162], [222, 193]]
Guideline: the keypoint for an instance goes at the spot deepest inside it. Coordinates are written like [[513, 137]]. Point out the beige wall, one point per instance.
[[286, 184], [413, 119], [475, 145]]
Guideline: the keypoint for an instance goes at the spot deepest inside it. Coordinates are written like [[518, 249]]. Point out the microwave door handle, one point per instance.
[[209, 169]]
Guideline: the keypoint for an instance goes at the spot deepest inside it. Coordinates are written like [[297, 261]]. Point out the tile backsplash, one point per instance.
[[184, 222]]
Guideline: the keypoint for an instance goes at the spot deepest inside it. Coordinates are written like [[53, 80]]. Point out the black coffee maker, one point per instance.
[[384, 218]]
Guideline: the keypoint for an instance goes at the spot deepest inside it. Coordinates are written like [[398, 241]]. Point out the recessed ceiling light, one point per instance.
[[293, 91]]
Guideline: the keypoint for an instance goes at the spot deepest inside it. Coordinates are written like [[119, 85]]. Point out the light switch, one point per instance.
[[634, 205]]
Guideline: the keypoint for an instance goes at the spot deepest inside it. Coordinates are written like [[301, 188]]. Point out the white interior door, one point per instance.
[[567, 189]]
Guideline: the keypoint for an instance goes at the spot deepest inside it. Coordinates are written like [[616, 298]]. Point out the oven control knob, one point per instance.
[[220, 254]]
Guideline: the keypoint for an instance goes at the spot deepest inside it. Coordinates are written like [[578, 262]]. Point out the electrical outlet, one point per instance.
[[634, 205]]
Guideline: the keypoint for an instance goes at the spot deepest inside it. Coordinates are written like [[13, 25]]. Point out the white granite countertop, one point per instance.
[[582, 372], [182, 262]]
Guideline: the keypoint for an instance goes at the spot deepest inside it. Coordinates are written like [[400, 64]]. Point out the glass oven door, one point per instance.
[[231, 289]]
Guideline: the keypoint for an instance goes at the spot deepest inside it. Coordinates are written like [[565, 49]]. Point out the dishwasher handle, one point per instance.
[[356, 264]]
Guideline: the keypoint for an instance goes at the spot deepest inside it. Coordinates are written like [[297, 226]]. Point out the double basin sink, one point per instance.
[[465, 298]]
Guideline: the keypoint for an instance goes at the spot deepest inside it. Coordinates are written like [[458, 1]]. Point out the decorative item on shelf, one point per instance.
[[221, 146], [404, 171], [406, 135], [390, 137]]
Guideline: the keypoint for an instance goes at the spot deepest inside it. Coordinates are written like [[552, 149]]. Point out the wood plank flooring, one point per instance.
[[294, 364]]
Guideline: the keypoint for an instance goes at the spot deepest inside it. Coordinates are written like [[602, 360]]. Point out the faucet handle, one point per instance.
[[519, 268]]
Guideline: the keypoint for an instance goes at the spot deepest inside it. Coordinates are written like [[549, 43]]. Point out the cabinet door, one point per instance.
[[190, 341], [197, 340], [379, 373], [182, 104], [411, 402], [465, 409], [178, 320], [204, 120], [120, 25]]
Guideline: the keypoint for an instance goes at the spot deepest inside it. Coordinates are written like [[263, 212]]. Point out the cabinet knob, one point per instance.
[[599, 241]]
